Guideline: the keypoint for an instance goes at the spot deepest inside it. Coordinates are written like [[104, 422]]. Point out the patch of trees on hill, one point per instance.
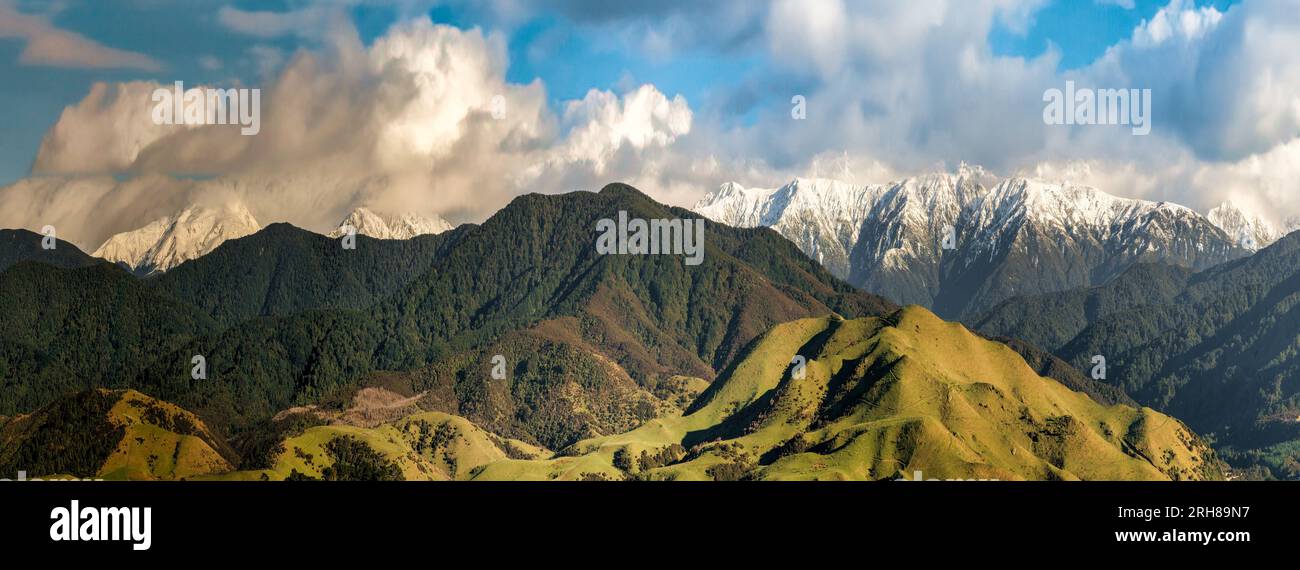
[[356, 461], [72, 436]]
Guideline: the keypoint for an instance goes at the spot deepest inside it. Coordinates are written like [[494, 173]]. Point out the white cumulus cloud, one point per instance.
[[422, 120]]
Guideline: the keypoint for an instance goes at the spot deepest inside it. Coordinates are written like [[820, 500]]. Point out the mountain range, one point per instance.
[[509, 349], [1004, 237], [197, 230], [313, 317], [170, 241], [381, 226], [879, 398]]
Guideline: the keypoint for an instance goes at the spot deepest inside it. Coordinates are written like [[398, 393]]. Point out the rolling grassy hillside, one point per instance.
[[427, 446], [879, 397], [1049, 365], [111, 434]]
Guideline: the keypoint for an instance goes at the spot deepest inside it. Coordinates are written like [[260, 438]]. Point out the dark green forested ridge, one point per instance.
[[1217, 348], [536, 402], [356, 461], [1051, 320], [21, 245], [535, 259], [319, 322], [283, 270], [64, 330]]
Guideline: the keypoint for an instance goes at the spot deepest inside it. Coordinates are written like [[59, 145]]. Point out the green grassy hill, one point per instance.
[[1049, 365], [111, 434], [879, 397], [427, 446], [376, 433]]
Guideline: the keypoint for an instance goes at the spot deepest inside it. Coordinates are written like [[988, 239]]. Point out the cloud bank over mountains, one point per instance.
[[423, 118]]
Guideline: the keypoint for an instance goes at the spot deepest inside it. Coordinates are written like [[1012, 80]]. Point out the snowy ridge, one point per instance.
[[1251, 232], [819, 215], [379, 226], [1013, 236], [197, 230], [173, 240]]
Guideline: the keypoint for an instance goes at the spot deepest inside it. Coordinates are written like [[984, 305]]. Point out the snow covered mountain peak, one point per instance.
[[729, 191], [1070, 205], [1004, 237], [172, 240], [197, 230], [385, 226], [1251, 232]]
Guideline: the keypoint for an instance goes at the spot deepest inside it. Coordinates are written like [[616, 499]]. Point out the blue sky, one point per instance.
[[1081, 30], [673, 96], [568, 56]]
